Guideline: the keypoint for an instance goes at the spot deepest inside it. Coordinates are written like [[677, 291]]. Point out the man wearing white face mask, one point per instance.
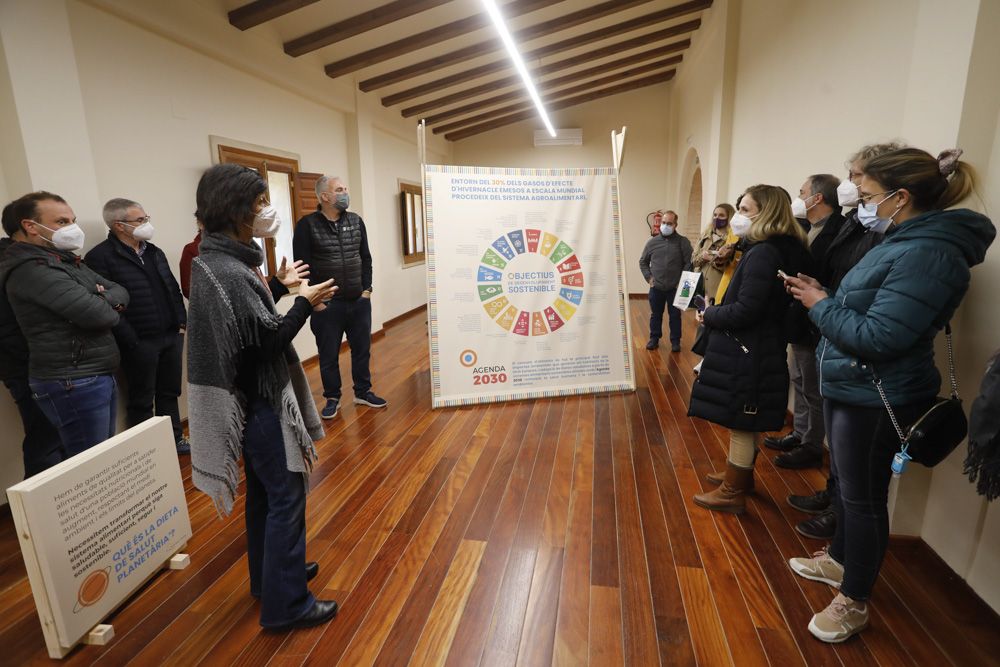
[[150, 332], [662, 261], [66, 312]]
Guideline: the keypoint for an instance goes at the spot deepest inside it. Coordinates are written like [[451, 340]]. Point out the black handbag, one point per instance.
[[700, 345], [936, 433]]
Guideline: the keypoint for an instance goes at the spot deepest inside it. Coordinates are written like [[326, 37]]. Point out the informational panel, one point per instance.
[[95, 527], [526, 284]]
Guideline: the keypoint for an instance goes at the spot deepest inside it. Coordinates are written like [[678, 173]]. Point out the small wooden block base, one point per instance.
[[179, 562], [100, 635]]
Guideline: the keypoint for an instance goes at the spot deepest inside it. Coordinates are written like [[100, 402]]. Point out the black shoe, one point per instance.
[[784, 443], [653, 344], [820, 527], [675, 347], [817, 503], [799, 458], [319, 613]]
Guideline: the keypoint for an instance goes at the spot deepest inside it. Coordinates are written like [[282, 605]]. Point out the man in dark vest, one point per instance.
[[150, 334], [334, 243]]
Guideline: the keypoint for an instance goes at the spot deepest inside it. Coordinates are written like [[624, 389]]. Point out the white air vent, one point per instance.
[[572, 136]]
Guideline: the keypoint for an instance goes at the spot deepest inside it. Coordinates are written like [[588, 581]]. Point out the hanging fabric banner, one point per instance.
[[526, 284]]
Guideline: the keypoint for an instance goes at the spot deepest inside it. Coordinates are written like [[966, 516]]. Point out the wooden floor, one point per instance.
[[549, 532]]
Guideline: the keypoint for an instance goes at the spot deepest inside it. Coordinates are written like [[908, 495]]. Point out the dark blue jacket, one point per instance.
[[890, 306], [156, 306]]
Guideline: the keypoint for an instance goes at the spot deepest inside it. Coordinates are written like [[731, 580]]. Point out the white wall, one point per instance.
[[644, 168], [134, 89]]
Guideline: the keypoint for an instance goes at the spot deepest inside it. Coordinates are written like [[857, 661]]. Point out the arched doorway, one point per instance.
[[693, 216]]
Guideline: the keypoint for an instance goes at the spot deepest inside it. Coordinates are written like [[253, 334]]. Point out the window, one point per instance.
[[411, 207], [290, 191]]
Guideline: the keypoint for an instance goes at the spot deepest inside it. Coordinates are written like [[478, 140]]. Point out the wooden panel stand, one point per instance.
[[179, 562], [100, 635]]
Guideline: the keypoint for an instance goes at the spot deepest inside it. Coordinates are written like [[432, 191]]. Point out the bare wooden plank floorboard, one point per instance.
[[558, 531]]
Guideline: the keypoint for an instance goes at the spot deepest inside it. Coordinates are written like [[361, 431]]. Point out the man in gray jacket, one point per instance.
[[663, 259], [65, 311]]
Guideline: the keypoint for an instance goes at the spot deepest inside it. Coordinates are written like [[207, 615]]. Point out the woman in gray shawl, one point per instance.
[[247, 392]]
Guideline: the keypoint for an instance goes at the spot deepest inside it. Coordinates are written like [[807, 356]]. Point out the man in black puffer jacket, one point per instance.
[[41, 447], [66, 312], [150, 333], [334, 243]]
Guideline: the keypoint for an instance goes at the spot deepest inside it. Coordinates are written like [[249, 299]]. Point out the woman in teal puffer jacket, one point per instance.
[[884, 316]]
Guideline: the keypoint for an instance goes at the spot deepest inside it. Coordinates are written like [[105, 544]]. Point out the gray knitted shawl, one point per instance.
[[230, 307]]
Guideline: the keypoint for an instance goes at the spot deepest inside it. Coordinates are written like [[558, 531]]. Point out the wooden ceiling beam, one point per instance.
[[618, 77], [490, 68], [254, 13], [542, 70], [374, 18], [562, 104], [550, 93], [520, 36], [429, 38]]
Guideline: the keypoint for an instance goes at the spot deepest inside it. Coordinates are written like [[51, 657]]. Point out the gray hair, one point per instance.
[[322, 182], [116, 209]]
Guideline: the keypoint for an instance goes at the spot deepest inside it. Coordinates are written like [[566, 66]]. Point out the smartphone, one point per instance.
[[698, 301], [782, 275]]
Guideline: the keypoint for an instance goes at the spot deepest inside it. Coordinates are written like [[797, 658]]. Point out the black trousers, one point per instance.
[[153, 372], [42, 445], [351, 317]]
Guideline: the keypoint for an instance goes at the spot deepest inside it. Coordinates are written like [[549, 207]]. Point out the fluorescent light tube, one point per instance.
[[515, 56]]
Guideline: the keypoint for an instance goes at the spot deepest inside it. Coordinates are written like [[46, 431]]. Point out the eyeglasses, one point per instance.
[[138, 221], [867, 199]]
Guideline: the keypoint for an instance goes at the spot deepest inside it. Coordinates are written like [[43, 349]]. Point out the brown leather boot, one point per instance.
[[731, 494], [717, 478]]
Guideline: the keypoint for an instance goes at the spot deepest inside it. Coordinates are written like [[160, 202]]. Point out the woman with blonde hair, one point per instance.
[[881, 321], [713, 255], [743, 384]]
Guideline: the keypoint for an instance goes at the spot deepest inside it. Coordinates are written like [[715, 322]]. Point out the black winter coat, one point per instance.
[[852, 243], [337, 250], [65, 318], [13, 346], [743, 383], [155, 303]]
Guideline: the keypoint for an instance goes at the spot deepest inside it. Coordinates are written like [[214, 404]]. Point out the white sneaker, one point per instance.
[[843, 618], [821, 567]]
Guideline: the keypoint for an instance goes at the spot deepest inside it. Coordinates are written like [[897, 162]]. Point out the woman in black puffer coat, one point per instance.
[[743, 384]]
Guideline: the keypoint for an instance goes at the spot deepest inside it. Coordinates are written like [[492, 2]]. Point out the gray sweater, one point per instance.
[[664, 258]]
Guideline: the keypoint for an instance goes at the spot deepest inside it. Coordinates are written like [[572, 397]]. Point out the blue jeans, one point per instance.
[[862, 444], [276, 521], [658, 300], [42, 447], [83, 410], [353, 317]]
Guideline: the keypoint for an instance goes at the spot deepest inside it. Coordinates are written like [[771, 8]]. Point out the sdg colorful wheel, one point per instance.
[[565, 281]]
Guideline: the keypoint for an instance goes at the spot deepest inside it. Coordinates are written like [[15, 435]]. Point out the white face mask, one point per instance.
[[740, 224], [847, 193], [143, 232], [666, 230], [266, 223], [799, 208], [868, 215], [69, 238]]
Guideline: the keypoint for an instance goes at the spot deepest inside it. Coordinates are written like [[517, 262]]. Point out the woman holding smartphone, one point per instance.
[[883, 319], [743, 384]]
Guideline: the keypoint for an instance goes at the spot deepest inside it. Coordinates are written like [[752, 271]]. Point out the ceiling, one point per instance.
[[441, 60]]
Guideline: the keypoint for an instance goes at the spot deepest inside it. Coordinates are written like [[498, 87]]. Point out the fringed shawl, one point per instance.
[[230, 309]]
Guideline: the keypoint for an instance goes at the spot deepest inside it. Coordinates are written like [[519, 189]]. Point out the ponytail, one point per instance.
[[933, 182]]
